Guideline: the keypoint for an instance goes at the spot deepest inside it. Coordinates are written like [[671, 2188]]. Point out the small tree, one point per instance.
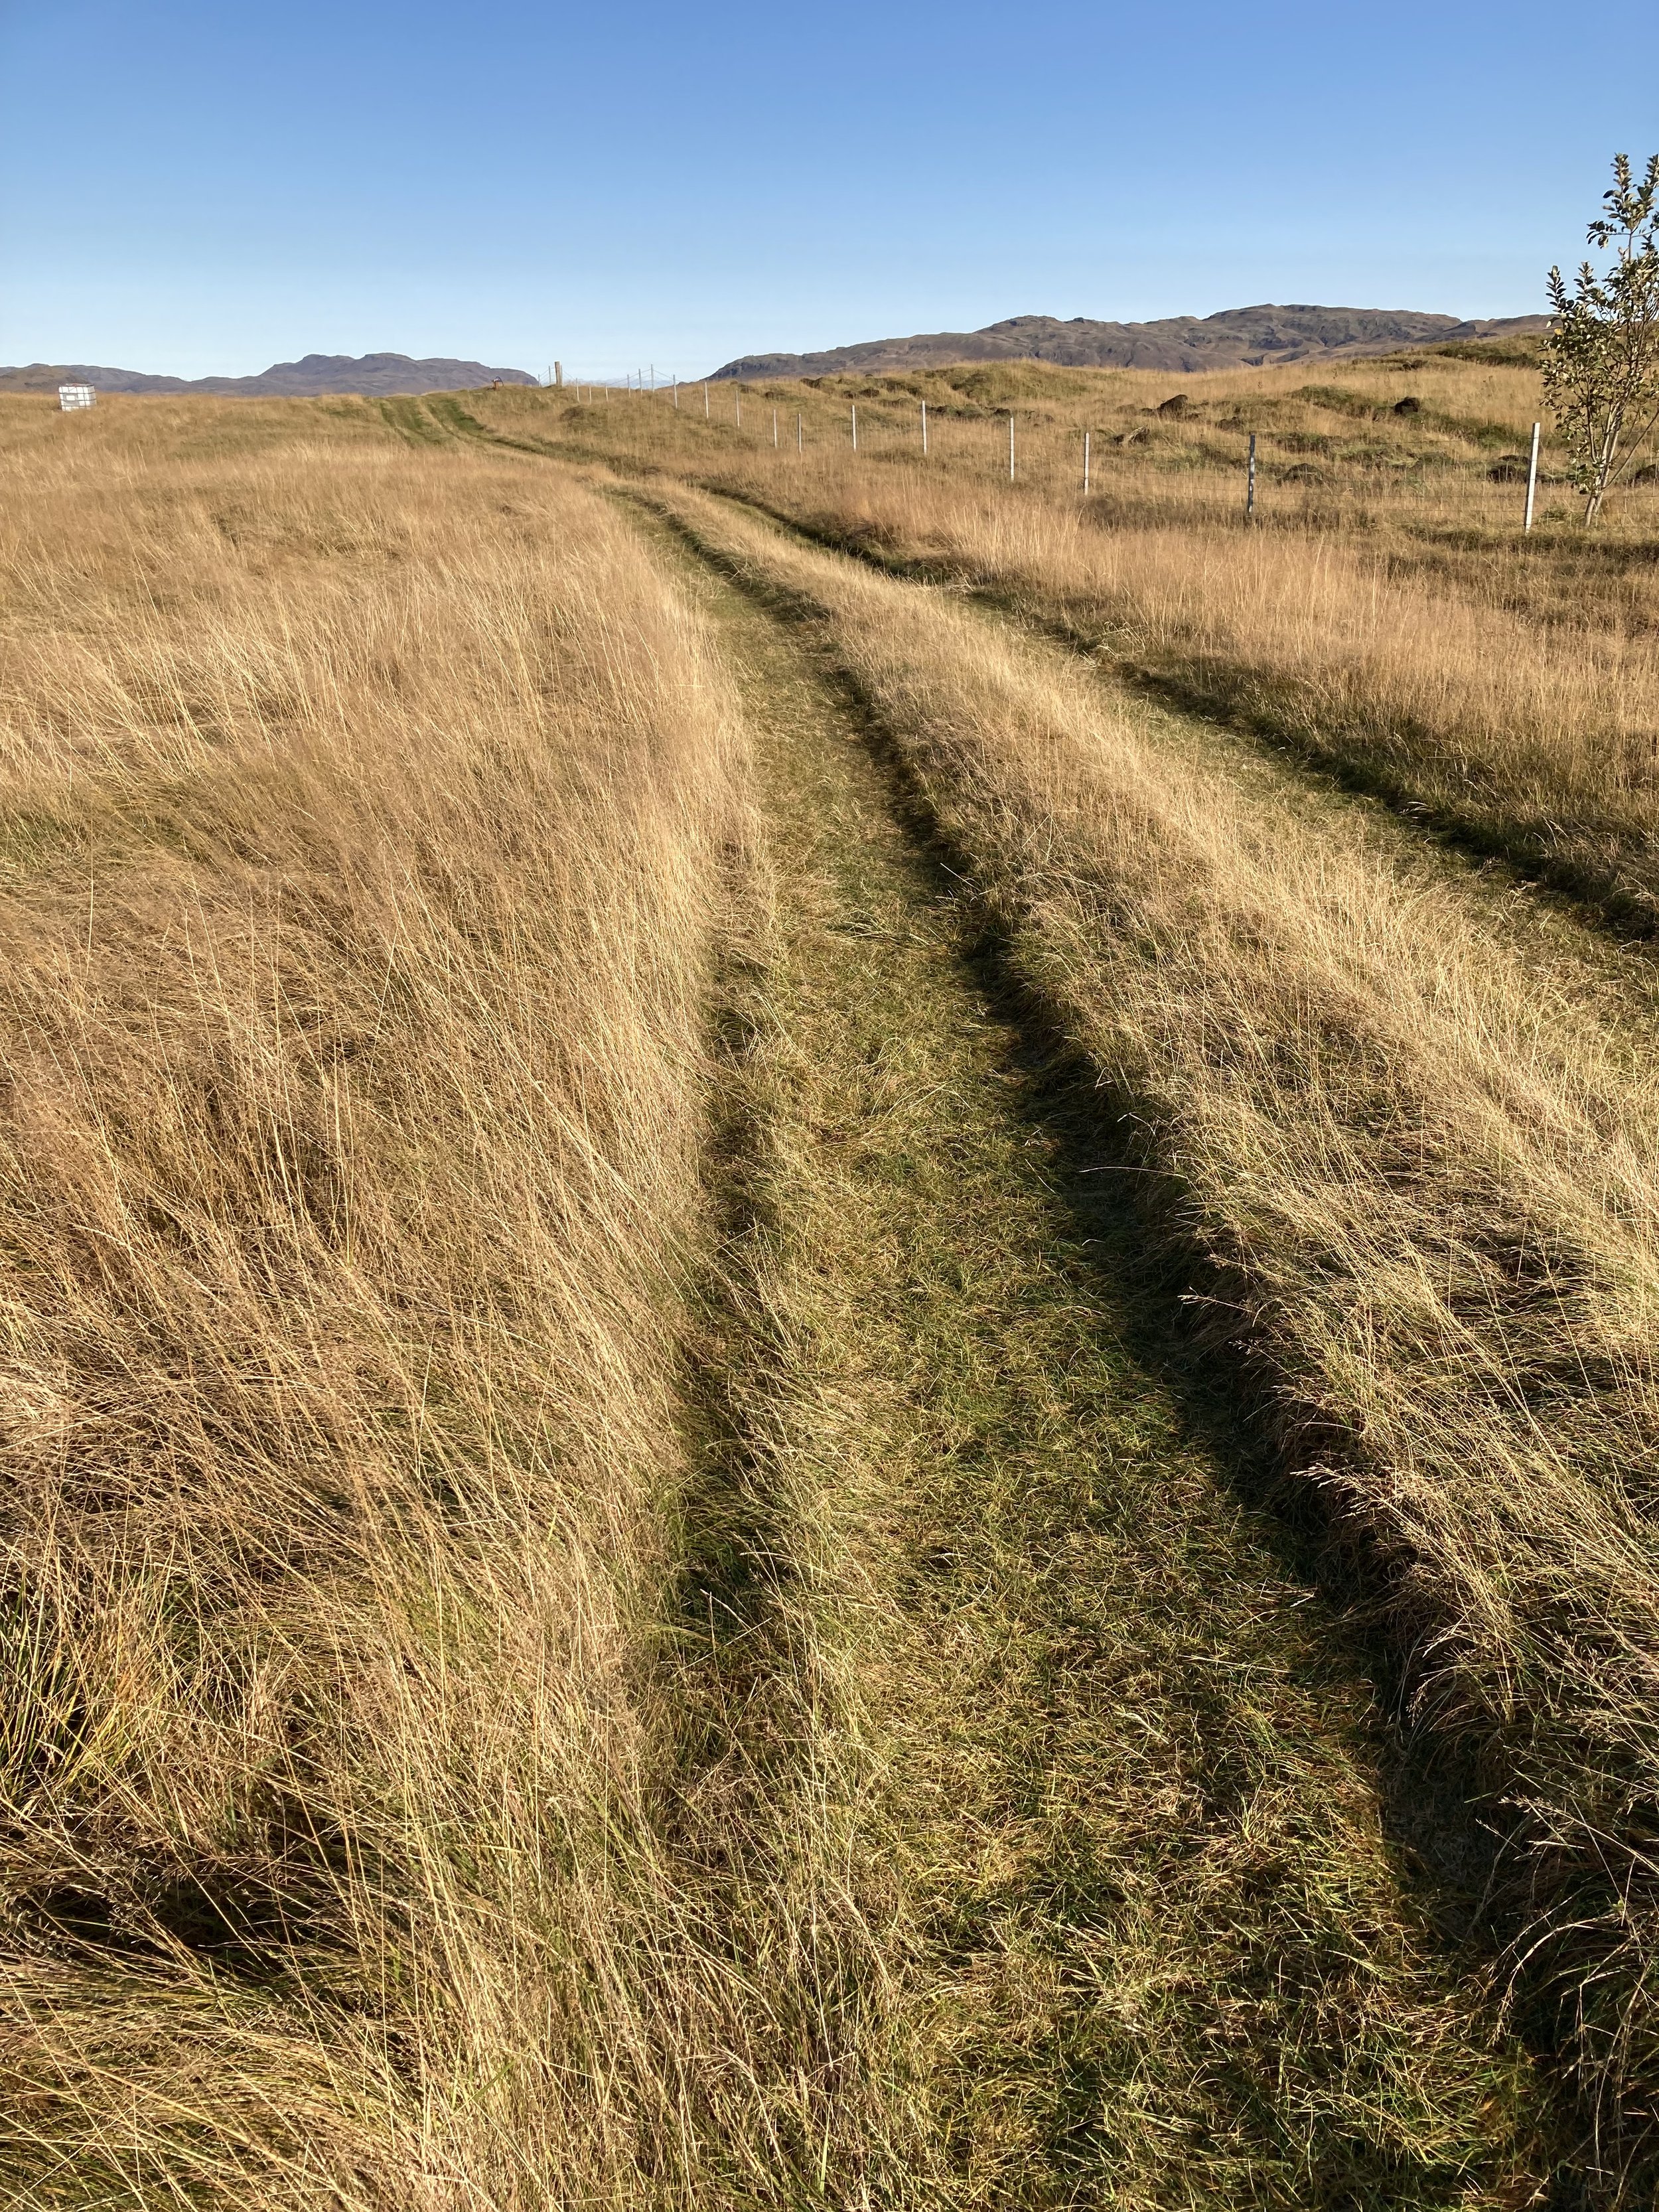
[[1602, 356]]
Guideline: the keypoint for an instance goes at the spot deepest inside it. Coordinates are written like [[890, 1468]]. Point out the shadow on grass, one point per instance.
[[1457, 1851]]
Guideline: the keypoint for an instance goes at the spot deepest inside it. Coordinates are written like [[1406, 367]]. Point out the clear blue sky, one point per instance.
[[196, 189]]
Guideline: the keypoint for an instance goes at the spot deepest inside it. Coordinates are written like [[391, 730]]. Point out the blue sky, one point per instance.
[[200, 189]]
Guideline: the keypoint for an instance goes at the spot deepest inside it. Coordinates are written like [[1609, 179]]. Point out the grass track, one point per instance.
[[960, 1795], [1137, 910], [1593, 886], [1108, 1779], [1404, 640]]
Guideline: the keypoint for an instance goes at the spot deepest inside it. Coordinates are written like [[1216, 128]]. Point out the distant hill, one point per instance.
[[1237, 337], [371, 374]]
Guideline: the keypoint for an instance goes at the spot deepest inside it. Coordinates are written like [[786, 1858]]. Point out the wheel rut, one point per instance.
[[1144, 1899], [1586, 893]]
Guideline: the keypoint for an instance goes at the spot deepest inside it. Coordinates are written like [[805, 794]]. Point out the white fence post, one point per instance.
[[1532, 479]]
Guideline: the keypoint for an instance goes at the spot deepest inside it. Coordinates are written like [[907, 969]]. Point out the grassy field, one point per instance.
[[828, 1301], [1388, 619], [362, 834]]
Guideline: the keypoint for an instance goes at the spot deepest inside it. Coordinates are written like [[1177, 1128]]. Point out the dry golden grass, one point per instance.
[[1387, 617], [1095, 1760], [519, 1676], [362, 820], [1413, 1139]]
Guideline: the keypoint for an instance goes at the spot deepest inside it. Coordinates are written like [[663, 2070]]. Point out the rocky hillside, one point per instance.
[[1236, 338], [316, 374]]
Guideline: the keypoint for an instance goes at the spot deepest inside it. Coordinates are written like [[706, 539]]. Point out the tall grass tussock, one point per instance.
[[359, 840]]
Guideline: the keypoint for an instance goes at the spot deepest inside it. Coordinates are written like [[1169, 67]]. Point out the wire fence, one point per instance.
[[1166, 456]]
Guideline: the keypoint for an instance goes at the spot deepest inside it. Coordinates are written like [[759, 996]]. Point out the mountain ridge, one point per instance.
[[314, 376], [1236, 338]]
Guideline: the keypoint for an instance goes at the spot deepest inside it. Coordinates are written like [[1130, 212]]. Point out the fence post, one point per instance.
[[1532, 479], [1011, 444], [1085, 465], [924, 429], [1250, 483], [855, 427]]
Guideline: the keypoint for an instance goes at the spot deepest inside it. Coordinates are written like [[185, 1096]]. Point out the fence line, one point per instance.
[[1035, 457]]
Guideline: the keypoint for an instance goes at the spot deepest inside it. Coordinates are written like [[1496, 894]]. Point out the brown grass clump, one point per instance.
[[360, 824], [1413, 1139]]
